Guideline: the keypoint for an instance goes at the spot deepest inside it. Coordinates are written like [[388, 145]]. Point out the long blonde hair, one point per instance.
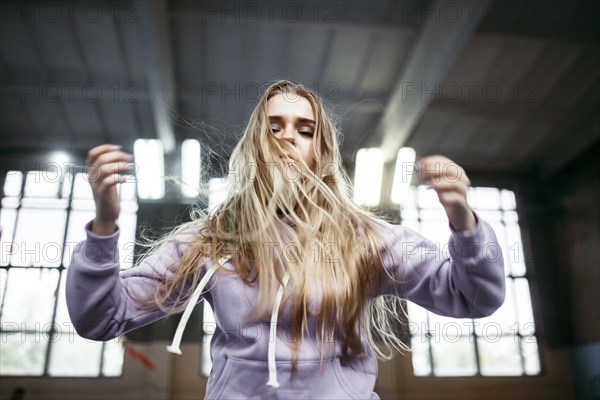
[[328, 246]]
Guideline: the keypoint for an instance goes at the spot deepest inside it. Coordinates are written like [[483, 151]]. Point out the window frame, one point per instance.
[[49, 336], [473, 337]]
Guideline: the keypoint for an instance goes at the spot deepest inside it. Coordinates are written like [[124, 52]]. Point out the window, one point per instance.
[[42, 216], [503, 344]]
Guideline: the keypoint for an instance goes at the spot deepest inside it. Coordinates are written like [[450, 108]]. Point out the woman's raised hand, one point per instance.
[[105, 165], [450, 182]]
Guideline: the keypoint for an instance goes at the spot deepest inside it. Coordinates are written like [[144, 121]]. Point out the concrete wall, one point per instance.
[[579, 230]]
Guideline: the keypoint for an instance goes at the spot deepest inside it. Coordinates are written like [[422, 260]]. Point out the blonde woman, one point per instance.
[[292, 268]]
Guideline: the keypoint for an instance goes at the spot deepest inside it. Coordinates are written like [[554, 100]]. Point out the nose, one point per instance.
[[289, 134]]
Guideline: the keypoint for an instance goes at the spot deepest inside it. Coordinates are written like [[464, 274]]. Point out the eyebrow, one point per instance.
[[298, 119]]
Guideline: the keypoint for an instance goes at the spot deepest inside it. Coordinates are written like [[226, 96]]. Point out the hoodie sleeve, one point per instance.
[[464, 280], [104, 302]]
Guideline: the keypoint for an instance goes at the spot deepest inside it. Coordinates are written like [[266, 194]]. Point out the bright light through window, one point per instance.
[[368, 174], [190, 167], [217, 192], [403, 174], [150, 168], [60, 158]]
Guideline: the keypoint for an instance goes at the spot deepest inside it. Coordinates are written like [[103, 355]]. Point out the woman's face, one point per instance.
[[291, 118]]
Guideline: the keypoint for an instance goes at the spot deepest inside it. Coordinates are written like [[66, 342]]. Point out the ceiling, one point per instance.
[[513, 83]]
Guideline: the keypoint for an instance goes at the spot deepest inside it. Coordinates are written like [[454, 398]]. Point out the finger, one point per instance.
[[115, 168], [450, 194], [449, 178], [102, 171], [435, 165], [434, 158], [113, 180], [94, 169], [113, 157], [439, 167], [448, 173], [431, 161], [443, 187], [450, 198], [94, 153]]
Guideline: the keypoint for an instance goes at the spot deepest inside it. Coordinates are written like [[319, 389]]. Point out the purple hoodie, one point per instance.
[[466, 283]]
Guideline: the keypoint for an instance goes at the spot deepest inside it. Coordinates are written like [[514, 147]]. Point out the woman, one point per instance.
[[292, 268]]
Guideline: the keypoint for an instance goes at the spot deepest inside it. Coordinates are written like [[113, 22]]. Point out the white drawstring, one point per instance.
[[174, 347], [273, 334]]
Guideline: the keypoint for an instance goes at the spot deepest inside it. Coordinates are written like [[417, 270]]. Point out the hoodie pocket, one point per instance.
[[247, 379], [344, 382], [214, 390]]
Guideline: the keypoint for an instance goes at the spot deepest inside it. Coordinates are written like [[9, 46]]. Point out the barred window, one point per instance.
[[42, 216], [503, 344]]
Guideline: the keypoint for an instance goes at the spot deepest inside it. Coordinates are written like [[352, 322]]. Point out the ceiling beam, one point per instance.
[[525, 111], [434, 53], [322, 25], [437, 47], [159, 67]]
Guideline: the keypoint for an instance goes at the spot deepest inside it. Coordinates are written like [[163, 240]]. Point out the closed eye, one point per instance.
[[308, 134]]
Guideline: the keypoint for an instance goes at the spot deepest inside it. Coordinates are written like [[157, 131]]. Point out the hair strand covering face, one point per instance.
[[326, 244]]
